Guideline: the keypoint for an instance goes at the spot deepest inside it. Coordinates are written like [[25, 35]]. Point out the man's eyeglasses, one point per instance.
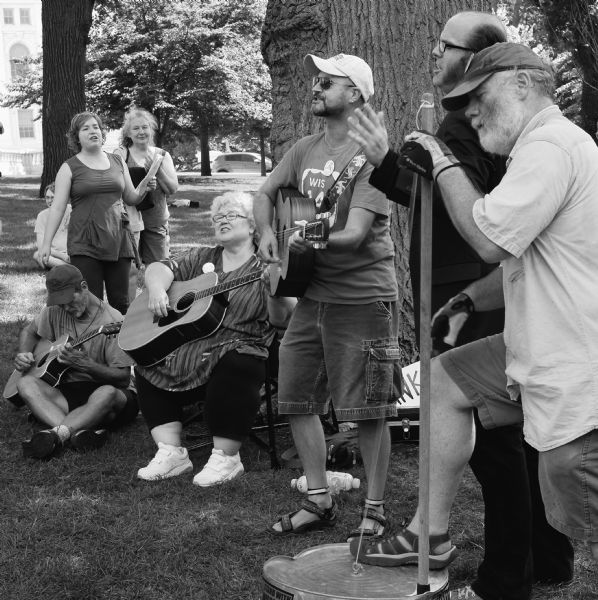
[[230, 217], [326, 83], [442, 46]]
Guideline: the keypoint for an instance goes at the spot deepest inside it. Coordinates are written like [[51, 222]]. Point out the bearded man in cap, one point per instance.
[[504, 465], [94, 391], [342, 337], [540, 223]]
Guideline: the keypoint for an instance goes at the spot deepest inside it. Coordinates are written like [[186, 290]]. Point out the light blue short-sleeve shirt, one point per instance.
[[545, 213]]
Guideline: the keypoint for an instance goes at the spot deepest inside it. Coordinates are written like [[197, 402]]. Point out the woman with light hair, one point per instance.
[[225, 370], [99, 241], [150, 217]]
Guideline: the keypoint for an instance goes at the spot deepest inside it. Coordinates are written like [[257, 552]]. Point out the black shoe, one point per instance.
[[89, 439], [41, 444]]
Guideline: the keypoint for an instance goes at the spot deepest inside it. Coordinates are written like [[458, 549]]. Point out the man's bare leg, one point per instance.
[[308, 436]]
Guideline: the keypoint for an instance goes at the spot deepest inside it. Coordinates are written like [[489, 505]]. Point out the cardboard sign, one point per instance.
[[410, 397]]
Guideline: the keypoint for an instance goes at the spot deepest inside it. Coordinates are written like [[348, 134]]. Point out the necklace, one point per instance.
[[80, 335]]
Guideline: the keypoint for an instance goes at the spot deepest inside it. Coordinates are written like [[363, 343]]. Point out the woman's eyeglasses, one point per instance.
[[442, 46], [326, 83], [229, 217]]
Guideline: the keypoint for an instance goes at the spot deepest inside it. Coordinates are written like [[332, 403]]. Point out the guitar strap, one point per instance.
[[347, 175]]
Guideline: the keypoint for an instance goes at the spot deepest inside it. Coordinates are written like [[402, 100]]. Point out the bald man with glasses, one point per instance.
[[520, 546]]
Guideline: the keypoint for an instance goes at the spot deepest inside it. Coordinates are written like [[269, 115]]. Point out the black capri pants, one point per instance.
[[231, 397]]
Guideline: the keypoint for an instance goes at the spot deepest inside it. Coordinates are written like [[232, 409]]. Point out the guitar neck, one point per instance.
[[229, 285], [85, 338]]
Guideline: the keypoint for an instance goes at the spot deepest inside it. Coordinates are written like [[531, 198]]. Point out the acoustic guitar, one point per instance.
[[294, 212], [197, 308], [46, 367]]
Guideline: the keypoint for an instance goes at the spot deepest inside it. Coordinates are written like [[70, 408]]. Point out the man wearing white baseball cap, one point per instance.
[[344, 65], [342, 340]]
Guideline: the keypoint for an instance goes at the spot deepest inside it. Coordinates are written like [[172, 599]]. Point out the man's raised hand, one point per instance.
[[367, 128]]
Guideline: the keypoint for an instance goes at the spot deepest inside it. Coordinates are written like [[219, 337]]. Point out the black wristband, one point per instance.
[[463, 299]]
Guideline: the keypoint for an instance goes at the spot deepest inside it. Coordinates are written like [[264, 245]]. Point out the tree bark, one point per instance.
[[204, 148], [65, 29], [396, 39]]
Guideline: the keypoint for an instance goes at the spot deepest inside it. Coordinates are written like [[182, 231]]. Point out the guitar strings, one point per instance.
[[226, 286], [280, 235]]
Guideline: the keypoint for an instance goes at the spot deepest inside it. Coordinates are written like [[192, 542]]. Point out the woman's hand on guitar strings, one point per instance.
[[158, 302]]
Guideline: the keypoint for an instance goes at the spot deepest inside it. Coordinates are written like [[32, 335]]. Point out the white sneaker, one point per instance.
[[220, 468], [168, 462]]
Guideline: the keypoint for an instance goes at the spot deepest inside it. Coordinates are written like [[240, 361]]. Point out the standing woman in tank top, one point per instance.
[[99, 241], [138, 152]]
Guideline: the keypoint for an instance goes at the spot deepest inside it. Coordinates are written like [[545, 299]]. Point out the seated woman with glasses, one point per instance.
[[225, 370]]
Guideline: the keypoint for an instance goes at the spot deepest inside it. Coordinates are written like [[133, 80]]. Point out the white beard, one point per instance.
[[503, 124]]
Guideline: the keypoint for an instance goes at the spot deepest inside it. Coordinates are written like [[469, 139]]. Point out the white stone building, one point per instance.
[[20, 37]]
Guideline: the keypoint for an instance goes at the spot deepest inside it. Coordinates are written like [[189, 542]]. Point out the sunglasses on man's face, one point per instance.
[[326, 83]]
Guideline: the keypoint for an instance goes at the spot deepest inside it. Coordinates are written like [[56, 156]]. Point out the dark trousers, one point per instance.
[[230, 398], [520, 547], [113, 274]]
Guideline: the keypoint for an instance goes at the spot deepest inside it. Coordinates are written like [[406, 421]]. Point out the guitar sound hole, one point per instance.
[[181, 307], [43, 359], [184, 302]]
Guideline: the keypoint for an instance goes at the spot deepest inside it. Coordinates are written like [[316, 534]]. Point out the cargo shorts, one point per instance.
[[347, 353], [568, 474]]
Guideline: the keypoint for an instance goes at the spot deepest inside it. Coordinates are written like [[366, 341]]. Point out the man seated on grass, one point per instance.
[[94, 391]]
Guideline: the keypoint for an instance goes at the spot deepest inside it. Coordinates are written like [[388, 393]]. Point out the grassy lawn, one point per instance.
[[84, 527]]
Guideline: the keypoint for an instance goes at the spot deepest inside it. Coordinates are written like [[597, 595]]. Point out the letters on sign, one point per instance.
[[410, 395]]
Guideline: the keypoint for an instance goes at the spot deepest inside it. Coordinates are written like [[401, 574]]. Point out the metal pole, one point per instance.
[[425, 351]]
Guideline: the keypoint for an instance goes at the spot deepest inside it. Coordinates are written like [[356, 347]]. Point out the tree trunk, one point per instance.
[[396, 39], [204, 148], [65, 29], [262, 153]]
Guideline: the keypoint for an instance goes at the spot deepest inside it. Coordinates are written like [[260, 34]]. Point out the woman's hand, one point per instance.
[[158, 302], [152, 184]]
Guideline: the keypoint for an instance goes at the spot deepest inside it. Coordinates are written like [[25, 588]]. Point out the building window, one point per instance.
[[17, 56], [25, 123], [25, 16], [9, 16]]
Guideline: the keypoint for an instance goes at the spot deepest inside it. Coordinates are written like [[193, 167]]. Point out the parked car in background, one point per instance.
[[239, 162]]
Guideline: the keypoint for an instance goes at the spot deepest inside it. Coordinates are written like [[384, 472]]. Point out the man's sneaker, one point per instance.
[[220, 468], [41, 444], [88, 439], [464, 593], [169, 461]]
